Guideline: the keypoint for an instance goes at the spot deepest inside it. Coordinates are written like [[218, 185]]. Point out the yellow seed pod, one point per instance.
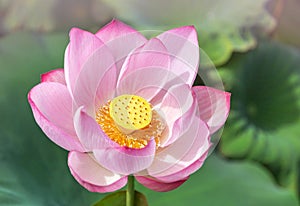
[[130, 112]]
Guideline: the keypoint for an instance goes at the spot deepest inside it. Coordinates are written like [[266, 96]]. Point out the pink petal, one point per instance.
[[82, 45], [89, 132], [106, 88], [96, 82], [147, 82], [121, 39], [182, 153], [52, 108], [108, 153], [157, 185], [214, 106], [152, 54], [56, 75], [125, 160], [177, 107], [186, 172], [93, 176], [182, 44]]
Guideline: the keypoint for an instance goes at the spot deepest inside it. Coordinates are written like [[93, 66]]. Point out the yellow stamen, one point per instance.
[[130, 132]]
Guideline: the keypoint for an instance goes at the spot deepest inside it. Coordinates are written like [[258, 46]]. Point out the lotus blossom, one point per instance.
[[125, 105]]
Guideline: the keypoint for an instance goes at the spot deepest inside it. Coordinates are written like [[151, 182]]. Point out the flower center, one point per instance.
[[130, 112], [130, 121]]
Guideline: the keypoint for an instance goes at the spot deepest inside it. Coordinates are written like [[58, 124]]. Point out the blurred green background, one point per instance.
[[255, 47]]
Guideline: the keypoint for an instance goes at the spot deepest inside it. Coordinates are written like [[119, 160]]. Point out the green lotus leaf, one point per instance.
[[265, 118]]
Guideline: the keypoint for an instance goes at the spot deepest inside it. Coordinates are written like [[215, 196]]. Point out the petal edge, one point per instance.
[[92, 176]]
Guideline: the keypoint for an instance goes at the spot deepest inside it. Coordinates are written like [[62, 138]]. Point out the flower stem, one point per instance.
[[130, 191]]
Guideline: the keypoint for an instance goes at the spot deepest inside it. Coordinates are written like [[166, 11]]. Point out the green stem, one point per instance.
[[130, 191]]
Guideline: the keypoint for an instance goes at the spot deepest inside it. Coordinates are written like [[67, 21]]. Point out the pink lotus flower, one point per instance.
[[125, 105]]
